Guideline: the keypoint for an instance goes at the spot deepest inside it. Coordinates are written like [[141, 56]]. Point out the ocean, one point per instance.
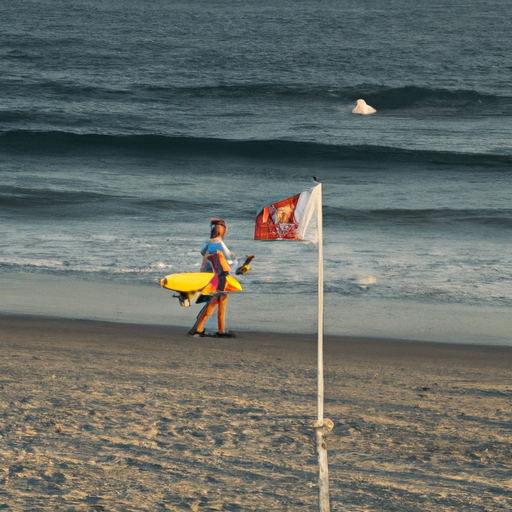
[[126, 125]]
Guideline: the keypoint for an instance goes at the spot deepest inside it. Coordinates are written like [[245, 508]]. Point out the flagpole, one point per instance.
[[321, 425], [268, 227], [320, 404]]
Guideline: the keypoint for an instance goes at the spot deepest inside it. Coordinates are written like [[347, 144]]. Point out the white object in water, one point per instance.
[[363, 108]]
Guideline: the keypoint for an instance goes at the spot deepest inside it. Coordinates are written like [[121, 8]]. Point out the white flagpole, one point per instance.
[[320, 406], [321, 425]]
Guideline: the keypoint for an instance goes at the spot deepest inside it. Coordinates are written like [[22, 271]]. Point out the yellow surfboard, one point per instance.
[[192, 282], [187, 281]]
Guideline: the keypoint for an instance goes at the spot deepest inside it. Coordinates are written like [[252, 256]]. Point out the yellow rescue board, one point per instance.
[[187, 281], [191, 282]]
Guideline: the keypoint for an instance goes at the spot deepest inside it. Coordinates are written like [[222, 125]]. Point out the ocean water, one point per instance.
[[126, 125]]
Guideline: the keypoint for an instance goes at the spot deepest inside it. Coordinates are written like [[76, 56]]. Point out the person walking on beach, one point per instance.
[[216, 259]]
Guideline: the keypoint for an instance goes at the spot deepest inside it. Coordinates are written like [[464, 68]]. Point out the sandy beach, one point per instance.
[[119, 417]]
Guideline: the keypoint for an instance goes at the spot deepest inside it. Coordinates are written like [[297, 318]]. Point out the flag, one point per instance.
[[288, 218]]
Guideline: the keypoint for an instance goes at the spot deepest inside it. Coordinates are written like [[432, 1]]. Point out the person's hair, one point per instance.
[[217, 228]]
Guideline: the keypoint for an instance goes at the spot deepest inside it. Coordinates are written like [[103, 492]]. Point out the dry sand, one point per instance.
[[105, 416]]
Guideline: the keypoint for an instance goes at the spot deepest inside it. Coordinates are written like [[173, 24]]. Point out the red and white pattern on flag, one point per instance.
[[277, 220], [288, 218]]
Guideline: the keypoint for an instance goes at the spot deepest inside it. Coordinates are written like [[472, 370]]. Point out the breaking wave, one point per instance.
[[500, 218], [60, 142]]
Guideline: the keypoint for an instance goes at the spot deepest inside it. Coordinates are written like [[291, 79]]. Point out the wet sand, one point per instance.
[[119, 417]]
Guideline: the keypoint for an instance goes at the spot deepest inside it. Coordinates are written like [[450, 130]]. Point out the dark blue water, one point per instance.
[[126, 125]]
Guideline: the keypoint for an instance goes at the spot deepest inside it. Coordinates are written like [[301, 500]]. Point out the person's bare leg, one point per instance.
[[221, 313], [206, 314]]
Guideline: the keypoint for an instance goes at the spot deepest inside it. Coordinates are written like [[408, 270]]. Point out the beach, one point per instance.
[[126, 126], [126, 417]]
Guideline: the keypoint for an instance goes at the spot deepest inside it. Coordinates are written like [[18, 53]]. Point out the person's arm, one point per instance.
[[229, 254], [205, 259]]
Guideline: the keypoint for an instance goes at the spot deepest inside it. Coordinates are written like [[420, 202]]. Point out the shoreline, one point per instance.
[[139, 303], [176, 335], [159, 330]]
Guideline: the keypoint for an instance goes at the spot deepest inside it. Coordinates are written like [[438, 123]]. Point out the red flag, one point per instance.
[[286, 219]]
